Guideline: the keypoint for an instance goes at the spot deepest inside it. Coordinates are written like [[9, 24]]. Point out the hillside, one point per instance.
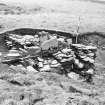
[[62, 15]]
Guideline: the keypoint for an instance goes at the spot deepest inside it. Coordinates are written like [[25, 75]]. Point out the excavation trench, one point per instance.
[[55, 52]]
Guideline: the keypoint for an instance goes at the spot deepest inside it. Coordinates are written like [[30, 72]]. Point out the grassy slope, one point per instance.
[[61, 15]]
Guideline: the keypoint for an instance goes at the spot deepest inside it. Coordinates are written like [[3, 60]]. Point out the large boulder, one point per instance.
[[53, 42]]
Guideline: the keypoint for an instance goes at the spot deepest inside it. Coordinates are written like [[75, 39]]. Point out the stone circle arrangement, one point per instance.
[[45, 52]]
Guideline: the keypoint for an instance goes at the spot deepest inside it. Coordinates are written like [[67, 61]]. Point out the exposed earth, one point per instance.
[[42, 88]]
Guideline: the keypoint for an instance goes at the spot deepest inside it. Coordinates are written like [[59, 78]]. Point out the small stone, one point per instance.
[[30, 68], [90, 71], [49, 61], [80, 65], [91, 47], [40, 59], [70, 55], [27, 42], [78, 45], [12, 67], [20, 67], [31, 62], [22, 42], [73, 75], [34, 50], [86, 59], [55, 54], [69, 41], [54, 36], [67, 60], [91, 54], [70, 58], [43, 38], [54, 62], [58, 57], [62, 55], [64, 60], [45, 68], [23, 68], [27, 37], [91, 60], [76, 61], [40, 64], [36, 40], [9, 42], [23, 50], [82, 56], [66, 50], [18, 36], [55, 65], [45, 62], [36, 36], [13, 54], [0, 53], [61, 39], [13, 50]]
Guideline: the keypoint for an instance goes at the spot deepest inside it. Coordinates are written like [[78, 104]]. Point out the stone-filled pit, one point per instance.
[[45, 51]]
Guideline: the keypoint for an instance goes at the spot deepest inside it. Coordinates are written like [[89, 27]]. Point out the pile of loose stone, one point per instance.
[[84, 60], [44, 52]]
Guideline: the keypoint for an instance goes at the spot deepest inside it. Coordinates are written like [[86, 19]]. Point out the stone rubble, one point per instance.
[[73, 75], [85, 58], [42, 52]]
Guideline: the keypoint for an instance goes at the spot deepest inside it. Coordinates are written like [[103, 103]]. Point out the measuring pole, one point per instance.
[[77, 31]]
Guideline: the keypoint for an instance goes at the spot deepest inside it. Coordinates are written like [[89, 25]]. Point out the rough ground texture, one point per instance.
[[26, 88]]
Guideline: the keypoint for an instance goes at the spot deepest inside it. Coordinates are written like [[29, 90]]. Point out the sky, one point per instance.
[[33, 2], [47, 2], [29, 1], [21, 1], [40, 1]]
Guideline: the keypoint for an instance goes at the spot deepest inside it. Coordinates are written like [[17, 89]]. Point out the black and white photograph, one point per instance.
[[52, 52]]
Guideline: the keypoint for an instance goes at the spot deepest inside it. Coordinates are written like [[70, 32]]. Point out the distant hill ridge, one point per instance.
[[6, 9]]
